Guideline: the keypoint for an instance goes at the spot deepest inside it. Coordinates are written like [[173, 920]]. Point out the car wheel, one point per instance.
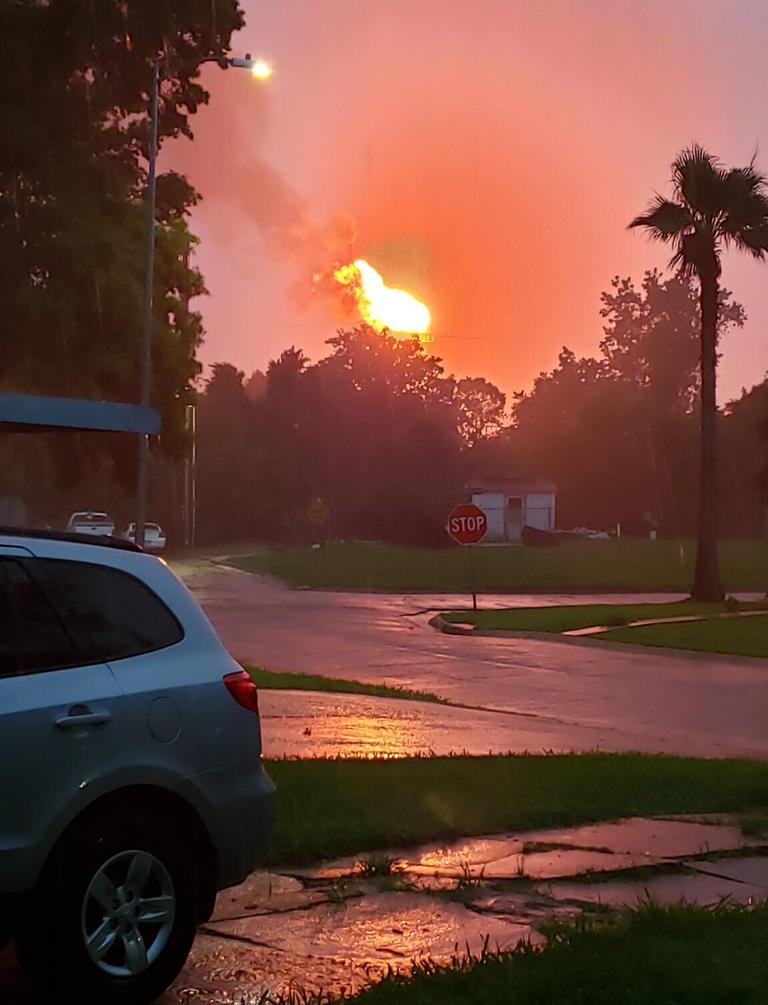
[[114, 916]]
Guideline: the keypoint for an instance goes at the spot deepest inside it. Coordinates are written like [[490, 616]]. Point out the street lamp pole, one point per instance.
[[261, 71], [149, 284]]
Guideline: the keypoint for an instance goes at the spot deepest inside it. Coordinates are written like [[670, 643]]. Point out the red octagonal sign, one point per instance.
[[467, 523]]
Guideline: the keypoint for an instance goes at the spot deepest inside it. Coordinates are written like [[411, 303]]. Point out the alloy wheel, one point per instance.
[[128, 913]]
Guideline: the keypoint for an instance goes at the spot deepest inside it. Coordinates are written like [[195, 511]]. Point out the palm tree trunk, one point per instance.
[[707, 584]]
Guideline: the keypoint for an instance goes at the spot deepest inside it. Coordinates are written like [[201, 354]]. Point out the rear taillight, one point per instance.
[[243, 690]]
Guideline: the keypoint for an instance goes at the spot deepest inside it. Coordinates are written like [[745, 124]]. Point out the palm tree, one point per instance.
[[713, 208]]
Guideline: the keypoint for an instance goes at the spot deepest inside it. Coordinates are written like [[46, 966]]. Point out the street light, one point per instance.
[[261, 70]]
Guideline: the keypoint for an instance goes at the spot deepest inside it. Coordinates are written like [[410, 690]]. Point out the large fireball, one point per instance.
[[380, 305]]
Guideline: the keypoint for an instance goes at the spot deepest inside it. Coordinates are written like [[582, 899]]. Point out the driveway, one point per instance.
[[523, 694]]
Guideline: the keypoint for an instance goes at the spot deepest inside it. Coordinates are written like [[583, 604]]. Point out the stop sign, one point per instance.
[[467, 523]]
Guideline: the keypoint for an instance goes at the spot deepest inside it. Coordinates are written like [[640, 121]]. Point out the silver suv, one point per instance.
[[131, 780]]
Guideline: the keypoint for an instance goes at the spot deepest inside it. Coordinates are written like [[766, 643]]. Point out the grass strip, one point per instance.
[[330, 808], [583, 566], [271, 679], [568, 618], [729, 636]]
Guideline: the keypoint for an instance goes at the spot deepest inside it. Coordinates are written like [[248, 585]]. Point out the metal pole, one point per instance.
[[190, 488], [149, 283], [473, 582], [193, 494], [187, 516]]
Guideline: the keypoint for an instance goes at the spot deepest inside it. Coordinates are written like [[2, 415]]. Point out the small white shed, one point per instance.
[[510, 504]]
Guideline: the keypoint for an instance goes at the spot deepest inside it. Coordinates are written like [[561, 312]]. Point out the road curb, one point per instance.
[[449, 628]]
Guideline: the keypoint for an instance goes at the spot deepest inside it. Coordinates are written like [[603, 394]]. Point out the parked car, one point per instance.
[[154, 536], [89, 522], [131, 780]]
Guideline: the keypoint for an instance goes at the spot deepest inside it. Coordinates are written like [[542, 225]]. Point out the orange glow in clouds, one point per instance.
[[380, 305]]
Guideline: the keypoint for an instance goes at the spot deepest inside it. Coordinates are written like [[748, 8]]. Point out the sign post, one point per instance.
[[467, 525]]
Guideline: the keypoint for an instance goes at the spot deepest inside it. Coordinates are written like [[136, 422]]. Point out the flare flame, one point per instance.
[[379, 305]]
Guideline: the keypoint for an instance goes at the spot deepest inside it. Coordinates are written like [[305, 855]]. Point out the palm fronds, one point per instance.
[[665, 220], [699, 181], [713, 207]]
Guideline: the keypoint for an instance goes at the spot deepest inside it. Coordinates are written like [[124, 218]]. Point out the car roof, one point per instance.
[[104, 541]]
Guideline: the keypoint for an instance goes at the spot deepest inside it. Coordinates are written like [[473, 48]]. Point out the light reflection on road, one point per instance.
[[305, 724]]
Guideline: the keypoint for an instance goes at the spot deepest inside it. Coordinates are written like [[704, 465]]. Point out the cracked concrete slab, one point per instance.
[[750, 870], [545, 864], [343, 946], [611, 846], [265, 893], [655, 837], [694, 888]]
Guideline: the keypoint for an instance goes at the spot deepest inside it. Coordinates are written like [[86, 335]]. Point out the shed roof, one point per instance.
[[36, 413], [511, 486]]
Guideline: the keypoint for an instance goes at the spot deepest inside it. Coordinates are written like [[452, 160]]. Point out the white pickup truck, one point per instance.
[[93, 523]]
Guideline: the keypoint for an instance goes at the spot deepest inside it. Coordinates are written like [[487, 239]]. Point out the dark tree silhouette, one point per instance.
[[481, 407], [713, 208], [74, 79]]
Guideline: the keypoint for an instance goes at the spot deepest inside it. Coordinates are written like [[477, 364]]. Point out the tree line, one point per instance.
[[367, 442], [379, 441], [74, 102]]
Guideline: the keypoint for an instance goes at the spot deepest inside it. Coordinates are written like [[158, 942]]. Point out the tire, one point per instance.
[[114, 915]]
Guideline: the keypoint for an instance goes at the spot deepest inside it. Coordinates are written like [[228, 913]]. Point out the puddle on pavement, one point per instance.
[[450, 864], [542, 865], [340, 947], [621, 844], [300, 724]]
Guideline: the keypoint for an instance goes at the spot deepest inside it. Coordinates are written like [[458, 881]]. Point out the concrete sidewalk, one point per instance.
[[335, 927]]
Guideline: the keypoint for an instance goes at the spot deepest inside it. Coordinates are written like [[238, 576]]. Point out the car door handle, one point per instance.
[[81, 715]]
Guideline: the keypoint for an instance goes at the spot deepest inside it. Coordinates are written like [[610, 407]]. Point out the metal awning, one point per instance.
[[34, 413]]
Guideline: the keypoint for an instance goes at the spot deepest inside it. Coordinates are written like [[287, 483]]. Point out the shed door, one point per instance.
[[513, 519]]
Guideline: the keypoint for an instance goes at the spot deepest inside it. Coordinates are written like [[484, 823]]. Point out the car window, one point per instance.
[[114, 614], [32, 637]]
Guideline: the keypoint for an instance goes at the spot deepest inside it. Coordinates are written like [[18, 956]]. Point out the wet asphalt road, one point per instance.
[[525, 694]]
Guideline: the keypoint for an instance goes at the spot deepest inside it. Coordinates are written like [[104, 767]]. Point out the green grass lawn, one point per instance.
[[269, 679], [679, 955], [733, 636], [571, 566], [331, 808], [568, 618]]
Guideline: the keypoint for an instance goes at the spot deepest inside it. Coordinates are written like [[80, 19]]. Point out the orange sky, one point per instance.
[[491, 155]]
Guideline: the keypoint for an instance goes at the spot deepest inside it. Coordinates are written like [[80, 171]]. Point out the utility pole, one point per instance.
[[262, 71], [149, 284]]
